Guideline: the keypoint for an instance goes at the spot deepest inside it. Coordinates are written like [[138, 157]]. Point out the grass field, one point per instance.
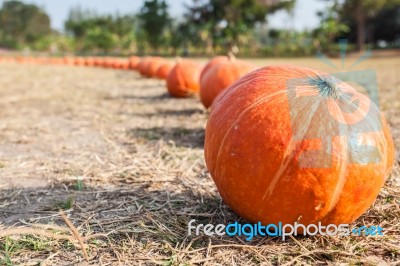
[[125, 162]]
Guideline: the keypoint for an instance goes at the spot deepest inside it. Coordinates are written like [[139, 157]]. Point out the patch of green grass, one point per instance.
[[6, 249], [79, 184], [64, 205], [12, 247]]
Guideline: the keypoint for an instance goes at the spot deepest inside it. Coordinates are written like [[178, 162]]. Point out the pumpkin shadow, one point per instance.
[[182, 112], [179, 136], [155, 97]]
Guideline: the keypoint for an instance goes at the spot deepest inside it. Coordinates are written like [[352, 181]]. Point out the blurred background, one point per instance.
[[251, 28]]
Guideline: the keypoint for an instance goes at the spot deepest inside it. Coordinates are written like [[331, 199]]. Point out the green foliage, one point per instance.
[[285, 43], [104, 33], [367, 8], [228, 22], [55, 43], [154, 21], [330, 28], [361, 11], [387, 22], [22, 24]]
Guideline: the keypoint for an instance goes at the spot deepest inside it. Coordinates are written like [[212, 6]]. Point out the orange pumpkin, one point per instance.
[[115, 63], [79, 61], [133, 62], [183, 80], [163, 70], [142, 66], [89, 61], [69, 60], [214, 61], [98, 61], [119, 63], [220, 76], [125, 64], [153, 65], [285, 144]]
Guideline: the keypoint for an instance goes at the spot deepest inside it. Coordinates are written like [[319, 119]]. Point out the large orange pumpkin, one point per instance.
[[183, 79], [163, 70], [286, 144], [220, 76], [214, 61]]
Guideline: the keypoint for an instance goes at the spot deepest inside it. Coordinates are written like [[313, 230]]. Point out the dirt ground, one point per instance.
[[125, 162]]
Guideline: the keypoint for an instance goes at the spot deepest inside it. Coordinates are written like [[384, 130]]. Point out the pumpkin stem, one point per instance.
[[231, 56], [326, 85]]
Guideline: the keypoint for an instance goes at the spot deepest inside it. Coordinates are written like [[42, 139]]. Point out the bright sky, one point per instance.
[[304, 14]]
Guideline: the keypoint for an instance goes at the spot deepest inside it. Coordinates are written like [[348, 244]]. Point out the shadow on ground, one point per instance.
[[181, 136]]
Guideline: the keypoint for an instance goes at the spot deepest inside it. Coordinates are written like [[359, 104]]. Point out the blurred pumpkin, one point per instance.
[[89, 61], [133, 62], [183, 79], [163, 70], [68, 60], [142, 66], [221, 76], [79, 61], [153, 65], [290, 144], [214, 61], [98, 61]]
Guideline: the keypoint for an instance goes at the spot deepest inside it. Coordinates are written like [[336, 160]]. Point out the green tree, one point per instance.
[[362, 11], [154, 20], [22, 23], [229, 20], [92, 32], [330, 27], [387, 24]]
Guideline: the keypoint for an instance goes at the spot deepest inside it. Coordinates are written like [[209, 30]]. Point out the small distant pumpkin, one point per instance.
[[79, 61], [183, 80], [221, 76], [153, 65], [69, 60], [119, 63], [89, 61], [164, 69], [142, 66], [133, 62]]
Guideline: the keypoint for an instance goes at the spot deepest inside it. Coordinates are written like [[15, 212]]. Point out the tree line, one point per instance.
[[207, 27]]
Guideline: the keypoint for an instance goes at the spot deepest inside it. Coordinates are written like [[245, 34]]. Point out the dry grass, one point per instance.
[[125, 163]]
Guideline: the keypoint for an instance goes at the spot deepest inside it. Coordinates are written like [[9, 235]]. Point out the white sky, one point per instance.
[[304, 14]]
